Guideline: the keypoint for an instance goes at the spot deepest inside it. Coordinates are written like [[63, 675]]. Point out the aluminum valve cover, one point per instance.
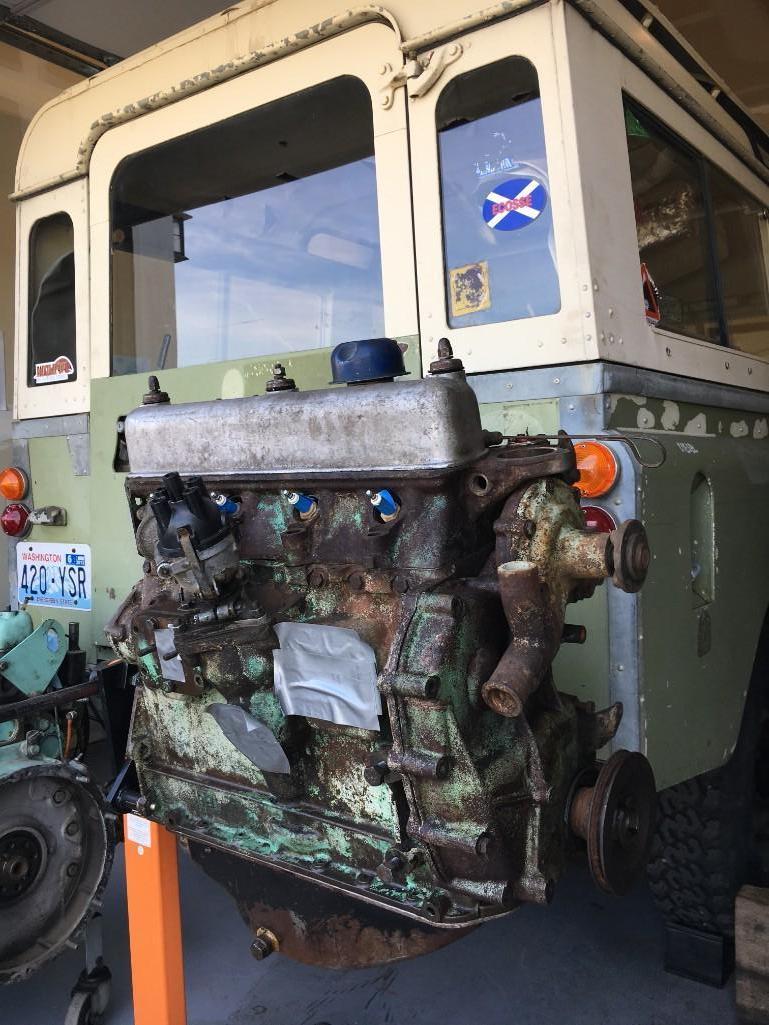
[[405, 427]]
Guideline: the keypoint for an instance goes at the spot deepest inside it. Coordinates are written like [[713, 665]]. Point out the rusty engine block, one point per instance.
[[344, 633]]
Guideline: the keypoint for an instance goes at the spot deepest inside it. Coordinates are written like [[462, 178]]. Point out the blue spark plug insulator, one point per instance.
[[305, 505], [227, 505], [385, 503]]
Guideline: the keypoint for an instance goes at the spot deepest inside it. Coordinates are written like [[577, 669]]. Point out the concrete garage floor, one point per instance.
[[586, 960]]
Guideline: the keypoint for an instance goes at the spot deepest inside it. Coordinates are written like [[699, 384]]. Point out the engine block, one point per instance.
[[344, 632]]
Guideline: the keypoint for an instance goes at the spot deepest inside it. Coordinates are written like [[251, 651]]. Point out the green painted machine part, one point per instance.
[[15, 626], [32, 663], [446, 787]]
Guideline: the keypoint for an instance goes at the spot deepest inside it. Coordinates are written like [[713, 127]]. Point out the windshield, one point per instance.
[[254, 236]]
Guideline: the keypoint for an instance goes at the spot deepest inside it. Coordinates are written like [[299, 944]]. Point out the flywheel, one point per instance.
[[56, 847]]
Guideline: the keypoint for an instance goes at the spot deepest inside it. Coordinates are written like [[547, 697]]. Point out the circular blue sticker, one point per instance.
[[52, 640], [514, 204]]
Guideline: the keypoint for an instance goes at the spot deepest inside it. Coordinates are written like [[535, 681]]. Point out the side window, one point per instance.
[[253, 236], [742, 239], [703, 238], [51, 355], [669, 200], [499, 251]]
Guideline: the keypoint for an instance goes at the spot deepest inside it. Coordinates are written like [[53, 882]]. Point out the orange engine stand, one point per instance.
[[154, 923]]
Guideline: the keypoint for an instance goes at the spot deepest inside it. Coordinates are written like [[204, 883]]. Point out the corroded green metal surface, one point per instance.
[[698, 656], [32, 663]]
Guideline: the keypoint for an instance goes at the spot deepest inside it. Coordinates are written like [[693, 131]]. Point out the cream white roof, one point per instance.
[[59, 141]]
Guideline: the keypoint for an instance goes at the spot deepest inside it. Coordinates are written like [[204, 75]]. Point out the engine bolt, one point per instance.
[[316, 578], [279, 381], [72, 870], [392, 869], [437, 906], [266, 943], [72, 829], [155, 394], [260, 949], [375, 775], [59, 796]]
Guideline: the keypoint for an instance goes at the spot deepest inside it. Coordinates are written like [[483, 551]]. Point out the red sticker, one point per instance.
[[59, 369]]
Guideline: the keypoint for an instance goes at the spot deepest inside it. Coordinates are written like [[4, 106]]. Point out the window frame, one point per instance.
[[334, 79], [532, 341], [361, 53], [441, 190], [64, 397], [599, 75]]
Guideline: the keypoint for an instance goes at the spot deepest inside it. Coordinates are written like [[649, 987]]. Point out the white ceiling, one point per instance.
[[733, 36]]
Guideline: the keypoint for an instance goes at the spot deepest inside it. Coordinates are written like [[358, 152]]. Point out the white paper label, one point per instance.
[[138, 830]]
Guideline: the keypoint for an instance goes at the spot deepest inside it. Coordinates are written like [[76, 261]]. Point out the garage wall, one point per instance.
[[26, 83]]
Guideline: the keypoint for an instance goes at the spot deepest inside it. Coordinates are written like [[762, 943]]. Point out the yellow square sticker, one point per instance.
[[469, 288]]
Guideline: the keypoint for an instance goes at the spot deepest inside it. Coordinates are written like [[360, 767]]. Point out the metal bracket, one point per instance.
[[49, 516], [395, 78], [419, 74], [33, 663], [433, 64]]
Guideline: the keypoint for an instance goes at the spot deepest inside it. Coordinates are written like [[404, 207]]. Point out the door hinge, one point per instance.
[[419, 74]]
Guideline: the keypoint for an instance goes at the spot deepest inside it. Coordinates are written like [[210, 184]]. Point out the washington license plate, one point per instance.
[[57, 575]]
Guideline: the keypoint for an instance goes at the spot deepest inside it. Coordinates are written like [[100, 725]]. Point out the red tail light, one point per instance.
[[598, 519], [14, 520]]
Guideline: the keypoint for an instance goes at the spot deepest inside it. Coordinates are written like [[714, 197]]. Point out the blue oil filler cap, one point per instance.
[[370, 359]]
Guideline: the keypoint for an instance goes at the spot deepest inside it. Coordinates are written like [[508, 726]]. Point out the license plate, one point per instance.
[[56, 575]]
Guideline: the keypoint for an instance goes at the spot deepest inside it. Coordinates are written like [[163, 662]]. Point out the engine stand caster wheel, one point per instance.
[[90, 997], [615, 817]]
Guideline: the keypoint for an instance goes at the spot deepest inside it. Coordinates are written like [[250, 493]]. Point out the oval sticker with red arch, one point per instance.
[[59, 369]]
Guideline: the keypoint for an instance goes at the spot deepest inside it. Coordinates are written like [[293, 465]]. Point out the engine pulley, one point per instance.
[[615, 816]]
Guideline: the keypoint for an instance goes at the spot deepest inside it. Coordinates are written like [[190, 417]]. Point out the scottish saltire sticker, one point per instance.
[[53, 574], [514, 203]]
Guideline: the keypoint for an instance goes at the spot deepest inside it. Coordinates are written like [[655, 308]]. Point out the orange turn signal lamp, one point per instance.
[[14, 483], [598, 468]]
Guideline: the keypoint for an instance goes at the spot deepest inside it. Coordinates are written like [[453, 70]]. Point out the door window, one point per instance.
[[499, 250], [254, 236], [669, 202], [742, 239], [703, 238]]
